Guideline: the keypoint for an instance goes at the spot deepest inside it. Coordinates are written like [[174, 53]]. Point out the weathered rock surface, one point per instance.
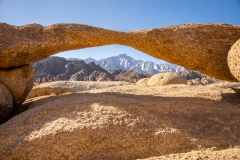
[[19, 81], [43, 91], [202, 47], [143, 81], [167, 78], [118, 126], [234, 60], [60, 87], [209, 153], [6, 103], [33, 42]]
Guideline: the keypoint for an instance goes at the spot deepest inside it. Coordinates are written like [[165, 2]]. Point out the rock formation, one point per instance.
[[51, 66], [234, 60], [197, 78], [167, 78], [6, 103], [118, 126], [143, 81], [202, 47], [78, 70], [61, 87], [130, 76], [19, 81]]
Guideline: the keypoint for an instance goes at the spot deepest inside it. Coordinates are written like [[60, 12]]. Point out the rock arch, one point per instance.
[[202, 47]]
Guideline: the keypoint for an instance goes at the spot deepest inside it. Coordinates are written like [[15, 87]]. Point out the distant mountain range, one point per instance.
[[118, 68], [125, 62], [58, 69]]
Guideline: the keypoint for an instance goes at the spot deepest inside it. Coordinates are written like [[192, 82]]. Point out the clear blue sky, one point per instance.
[[121, 15]]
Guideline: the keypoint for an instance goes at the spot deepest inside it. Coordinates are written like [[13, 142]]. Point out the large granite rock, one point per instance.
[[234, 60], [118, 126], [202, 47], [142, 81], [167, 78], [6, 103], [19, 81]]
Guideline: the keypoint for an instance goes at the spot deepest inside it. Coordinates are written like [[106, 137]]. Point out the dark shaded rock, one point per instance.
[[19, 81], [197, 78], [51, 66], [6, 103], [130, 76]]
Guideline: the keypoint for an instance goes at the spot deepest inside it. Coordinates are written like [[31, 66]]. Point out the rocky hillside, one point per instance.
[[57, 68], [197, 78], [125, 62]]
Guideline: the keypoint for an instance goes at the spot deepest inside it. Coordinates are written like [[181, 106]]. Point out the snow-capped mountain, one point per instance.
[[125, 62]]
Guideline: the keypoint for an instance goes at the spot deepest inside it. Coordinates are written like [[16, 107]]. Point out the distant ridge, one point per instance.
[[125, 62], [59, 69]]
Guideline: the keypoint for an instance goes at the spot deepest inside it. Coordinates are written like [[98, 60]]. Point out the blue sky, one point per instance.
[[124, 15]]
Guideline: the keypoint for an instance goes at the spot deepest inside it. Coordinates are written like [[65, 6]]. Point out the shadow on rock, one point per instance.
[[118, 126]]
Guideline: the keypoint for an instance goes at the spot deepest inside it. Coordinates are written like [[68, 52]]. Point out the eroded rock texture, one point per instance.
[[234, 60], [167, 78], [19, 81], [202, 47], [6, 103], [118, 126]]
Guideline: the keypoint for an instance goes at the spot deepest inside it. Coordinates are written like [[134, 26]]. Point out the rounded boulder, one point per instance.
[[167, 78]]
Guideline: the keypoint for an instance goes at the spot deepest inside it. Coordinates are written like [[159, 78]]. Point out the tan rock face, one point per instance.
[[6, 103], [34, 42], [43, 91], [142, 81], [234, 60], [19, 81], [118, 126], [202, 47], [167, 78]]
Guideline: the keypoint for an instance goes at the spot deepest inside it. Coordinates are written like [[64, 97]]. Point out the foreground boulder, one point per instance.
[[118, 126], [202, 47], [167, 78], [6, 103], [19, 82], [234, 60]]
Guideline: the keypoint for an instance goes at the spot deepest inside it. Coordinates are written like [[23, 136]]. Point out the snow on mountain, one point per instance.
[[125, 62]]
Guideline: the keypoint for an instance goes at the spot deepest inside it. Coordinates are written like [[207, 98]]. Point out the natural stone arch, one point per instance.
[[202, 47]]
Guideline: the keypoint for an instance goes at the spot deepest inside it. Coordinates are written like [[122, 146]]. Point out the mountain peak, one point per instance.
[[125, 62], [123, 55]]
